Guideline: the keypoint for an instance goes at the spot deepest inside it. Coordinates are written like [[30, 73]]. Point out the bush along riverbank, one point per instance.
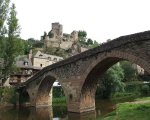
[[137, 110], [7, 97]]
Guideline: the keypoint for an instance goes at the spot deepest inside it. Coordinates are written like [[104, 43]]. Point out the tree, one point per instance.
[[82, 33], [4, 7], [45, 34], [50, 50], [13, 45], [129, 72], [89, 41], [38, 44], [51, 35], [82, 37], [95, 44], [111, 82]]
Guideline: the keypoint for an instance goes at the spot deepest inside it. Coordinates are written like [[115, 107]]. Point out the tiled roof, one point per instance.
[[41, 55], [23, 62]]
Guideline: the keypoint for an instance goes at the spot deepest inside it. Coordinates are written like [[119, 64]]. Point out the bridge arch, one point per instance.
[[78, 74], [44, 92], [97, 68]]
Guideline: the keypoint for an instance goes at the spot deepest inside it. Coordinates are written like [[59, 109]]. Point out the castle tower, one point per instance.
[[46, 41], [57, 29], [60, 30], [74, 34]]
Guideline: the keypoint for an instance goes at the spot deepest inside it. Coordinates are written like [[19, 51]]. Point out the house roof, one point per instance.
[[41, 55], [23, 62]]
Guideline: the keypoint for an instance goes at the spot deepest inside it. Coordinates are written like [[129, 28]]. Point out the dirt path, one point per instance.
[[141, 101]]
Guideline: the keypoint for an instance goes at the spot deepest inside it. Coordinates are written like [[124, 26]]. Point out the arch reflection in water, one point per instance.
[[44, 113], [14, 113], [83, 116]]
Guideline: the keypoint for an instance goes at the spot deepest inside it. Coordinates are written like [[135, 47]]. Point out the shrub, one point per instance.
[[145, 89], [51, 35], [58, 92]]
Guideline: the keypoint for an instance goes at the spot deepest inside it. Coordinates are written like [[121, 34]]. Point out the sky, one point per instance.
[[101, 19]]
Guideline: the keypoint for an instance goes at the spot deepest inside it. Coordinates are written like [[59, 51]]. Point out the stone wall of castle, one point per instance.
[[61, 40]]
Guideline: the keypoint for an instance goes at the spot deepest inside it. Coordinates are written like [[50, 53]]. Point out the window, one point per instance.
[[55, 59], [40, 55], [41, 65], [49, 58], [26, 71], [25, 63]]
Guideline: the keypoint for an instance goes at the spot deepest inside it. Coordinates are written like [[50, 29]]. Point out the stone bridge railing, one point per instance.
[[103, 47]]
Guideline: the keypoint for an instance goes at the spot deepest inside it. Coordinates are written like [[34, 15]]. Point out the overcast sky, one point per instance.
[[101, 19]]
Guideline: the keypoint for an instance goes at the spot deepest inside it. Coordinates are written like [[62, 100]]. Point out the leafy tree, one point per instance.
[[4, 7], [89, 41], [60, 52], [111, 82], [82, 33], [38, 44], [82, 40], [31, 41], [45, 34], [51, 35], [129, 72], [13, 45], [82, 37], [50, 50], [95, 44]]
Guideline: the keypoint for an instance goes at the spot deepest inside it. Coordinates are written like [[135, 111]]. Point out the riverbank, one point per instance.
[[61, 101], [137, 110]]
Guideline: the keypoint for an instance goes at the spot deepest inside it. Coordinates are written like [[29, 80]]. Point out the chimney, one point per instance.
[[30, 54]]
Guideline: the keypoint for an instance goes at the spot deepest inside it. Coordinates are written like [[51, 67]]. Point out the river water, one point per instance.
[[103, 107]]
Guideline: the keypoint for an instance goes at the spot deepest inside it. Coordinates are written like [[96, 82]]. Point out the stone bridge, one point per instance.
[[78, 75]]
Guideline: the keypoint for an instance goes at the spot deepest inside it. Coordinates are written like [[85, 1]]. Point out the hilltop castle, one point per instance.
[[56, 38]]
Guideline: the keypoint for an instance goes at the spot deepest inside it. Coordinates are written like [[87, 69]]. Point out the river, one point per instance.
[[103, 107]]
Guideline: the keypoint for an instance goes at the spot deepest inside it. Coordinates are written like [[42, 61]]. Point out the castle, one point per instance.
[[56, 38]]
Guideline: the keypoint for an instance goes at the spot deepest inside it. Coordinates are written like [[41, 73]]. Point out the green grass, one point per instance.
[[144, 98], [123, 95], [138, 110], [59, 101]]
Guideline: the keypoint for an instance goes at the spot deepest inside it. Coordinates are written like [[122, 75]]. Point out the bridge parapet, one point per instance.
[[102, 48], [79, 74]]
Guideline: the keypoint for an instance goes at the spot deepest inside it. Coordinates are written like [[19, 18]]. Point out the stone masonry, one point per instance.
[[78, 75]]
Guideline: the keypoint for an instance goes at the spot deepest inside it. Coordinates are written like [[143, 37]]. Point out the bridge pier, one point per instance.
[[77, 100], [78, 107], [78, 75]]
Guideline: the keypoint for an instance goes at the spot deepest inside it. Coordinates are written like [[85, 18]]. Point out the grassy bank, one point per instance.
[[124, 95], [138, 110], [61, 101]]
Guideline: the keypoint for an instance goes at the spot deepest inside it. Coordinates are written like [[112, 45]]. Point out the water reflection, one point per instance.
[[45, 113], [104, 106], [14, 114], [83, 116], [58, 112]]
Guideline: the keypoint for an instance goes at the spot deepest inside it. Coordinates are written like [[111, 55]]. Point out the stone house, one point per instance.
[[25, 70], [40, 59], [30, 64], [138, 68]]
